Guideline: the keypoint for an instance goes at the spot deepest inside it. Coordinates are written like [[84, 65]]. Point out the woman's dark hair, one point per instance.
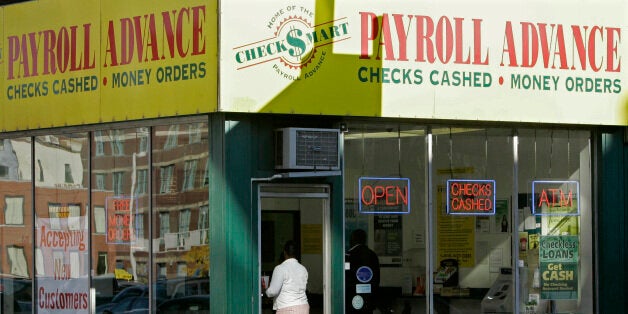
[[290, 249]]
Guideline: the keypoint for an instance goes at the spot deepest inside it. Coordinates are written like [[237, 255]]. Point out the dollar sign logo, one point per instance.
[[293, 37]]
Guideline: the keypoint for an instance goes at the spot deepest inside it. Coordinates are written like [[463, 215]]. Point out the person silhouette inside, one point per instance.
[[362, 277]]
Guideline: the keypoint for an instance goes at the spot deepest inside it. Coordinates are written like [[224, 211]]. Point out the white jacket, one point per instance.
[[287, 285]]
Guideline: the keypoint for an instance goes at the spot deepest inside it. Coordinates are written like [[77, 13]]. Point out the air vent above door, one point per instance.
[[307, 149]]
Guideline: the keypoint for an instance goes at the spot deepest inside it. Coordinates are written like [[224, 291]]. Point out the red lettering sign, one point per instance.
[[120, 222], [442, 40], [555, 198], [471, 197], [60, 49], [384, 195], [136, 38]]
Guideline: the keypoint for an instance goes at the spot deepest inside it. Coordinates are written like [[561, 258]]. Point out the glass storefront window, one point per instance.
[[99, 243], [180, 255], [16, 217], [471, 252], [385, 197], [118, 247], [62, 223], [555, 251], [511, 219]]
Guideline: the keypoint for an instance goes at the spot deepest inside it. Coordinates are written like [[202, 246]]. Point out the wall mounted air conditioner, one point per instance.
[[307, 148]]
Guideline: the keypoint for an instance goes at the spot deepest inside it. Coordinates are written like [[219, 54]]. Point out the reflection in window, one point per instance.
[[116, 239], [182, 269], [99, 143], [142, 181], [164, 224], [54, 214], [100, 181], [75, 265], [173, 134], [17, 261], [166, 179], [101, 266], [178, 155], [195, 133], [68, 174], [161, 271], [203, 224], [143, 138], [184, 223], [189, 174], [206, 174], [139, 226], [142, 270], [117, 142], [39, 262], [99, 219], [41, 171], [14, 210], [74, 219], [117, 182]]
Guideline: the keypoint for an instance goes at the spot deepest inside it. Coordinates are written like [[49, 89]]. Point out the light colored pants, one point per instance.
[[295, 309]]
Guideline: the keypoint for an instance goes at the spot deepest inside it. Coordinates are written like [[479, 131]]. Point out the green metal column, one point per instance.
[[233, 251], [612, 217]]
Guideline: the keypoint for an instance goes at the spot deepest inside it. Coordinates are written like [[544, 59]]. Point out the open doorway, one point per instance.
[[297, 212]]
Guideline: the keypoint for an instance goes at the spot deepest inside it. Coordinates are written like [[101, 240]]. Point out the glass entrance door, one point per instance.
[[298, 213]]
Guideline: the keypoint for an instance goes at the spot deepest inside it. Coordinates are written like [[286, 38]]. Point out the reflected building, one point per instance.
[[69, 239]]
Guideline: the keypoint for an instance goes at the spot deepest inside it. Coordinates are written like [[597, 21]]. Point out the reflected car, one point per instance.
[[197, 304], [132, 299], [129, 305], [191, 287], [15, 295]]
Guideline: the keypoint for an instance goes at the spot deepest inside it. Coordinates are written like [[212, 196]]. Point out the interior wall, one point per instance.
[[311, 215]]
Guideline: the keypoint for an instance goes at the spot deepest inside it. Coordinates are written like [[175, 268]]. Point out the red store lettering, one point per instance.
[[60, 50], [62, 239], [555, 198], [469, 204], [551, 40], [389, 195], [441, 40], [471, 189], [140, 32]]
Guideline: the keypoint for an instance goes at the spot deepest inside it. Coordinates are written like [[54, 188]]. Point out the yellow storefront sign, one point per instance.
[[73, 62]]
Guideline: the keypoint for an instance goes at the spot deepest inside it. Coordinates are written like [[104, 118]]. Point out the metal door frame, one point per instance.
[[315, 194]]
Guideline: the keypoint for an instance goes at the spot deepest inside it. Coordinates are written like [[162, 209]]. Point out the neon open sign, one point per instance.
[[556, 198], [470, 197], [384, 195]]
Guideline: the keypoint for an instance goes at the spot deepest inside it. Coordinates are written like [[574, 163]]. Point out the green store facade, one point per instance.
[[155, 157]]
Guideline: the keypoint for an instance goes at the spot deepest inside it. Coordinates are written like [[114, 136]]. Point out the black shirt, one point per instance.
[[358, 256]]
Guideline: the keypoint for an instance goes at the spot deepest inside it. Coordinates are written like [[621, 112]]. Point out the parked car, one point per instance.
[[197, 304]]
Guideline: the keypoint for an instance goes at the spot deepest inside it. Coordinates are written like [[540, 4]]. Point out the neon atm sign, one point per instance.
[[471, 197], [556, 198], [384, 195]]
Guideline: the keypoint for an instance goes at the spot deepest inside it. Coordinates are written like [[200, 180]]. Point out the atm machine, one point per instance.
[[499, 298]]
